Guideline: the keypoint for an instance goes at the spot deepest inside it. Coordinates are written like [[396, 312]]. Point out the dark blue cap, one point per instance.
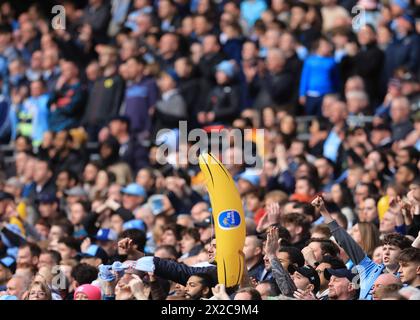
[[409, 18], [6, 196], [95, 251], [172, 73], [46, 198], [339, 273], [106, 235], [9, 263]]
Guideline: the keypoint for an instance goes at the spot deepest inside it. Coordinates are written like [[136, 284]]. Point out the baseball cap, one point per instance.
[[172, 73], [106, 235], [207, 222], [310, 273], [134, 189], [95, 251], [339, 273], [76, 192], [134, 224], [155, 203], [169, 138], [8, 297], [403, 4], [409, 18], [251, 176], [6, 196], [9, 263], [227, 68], [46, 198]]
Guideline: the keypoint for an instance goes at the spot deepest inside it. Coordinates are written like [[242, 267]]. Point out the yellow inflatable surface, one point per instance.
[[229, 220]]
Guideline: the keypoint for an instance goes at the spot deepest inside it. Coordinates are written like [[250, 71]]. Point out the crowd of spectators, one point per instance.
[[334, 213]]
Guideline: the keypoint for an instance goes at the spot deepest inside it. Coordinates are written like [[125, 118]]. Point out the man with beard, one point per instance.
[[65, 158], [199, 286], [28, 256]]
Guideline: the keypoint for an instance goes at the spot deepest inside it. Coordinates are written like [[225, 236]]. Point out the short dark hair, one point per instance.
[[176, 229], [309, 181], [192, 232], [413, 153], [33, 248], [412, 168], [70, 242], [297, 219], [373, 190], [71, 174], [137, 236], [169, 249], [396, 239], [334, 262], [53, 254], [295, 255], [85, 205], [138, 59], [307, 208], [410, 254], [341, 218], [46, 161], [65, 225], [328, 247], [255, 295], [43, 222], [416, 181], [84, 273], [206, 280]]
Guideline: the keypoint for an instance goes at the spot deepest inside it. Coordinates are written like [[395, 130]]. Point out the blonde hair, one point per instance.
[[44, 287], [369, 235]]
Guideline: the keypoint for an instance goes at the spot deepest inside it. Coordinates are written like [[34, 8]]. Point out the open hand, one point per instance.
[[304, 295], [272, 243], [219, 292]]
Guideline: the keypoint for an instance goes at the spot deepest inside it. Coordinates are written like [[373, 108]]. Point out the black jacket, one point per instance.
[[179, 272], [104, 100], [74, 161], [273, 89], [190, 91], [368, 64], [257, 271], [49, 187], [206, 71], [224, 101]]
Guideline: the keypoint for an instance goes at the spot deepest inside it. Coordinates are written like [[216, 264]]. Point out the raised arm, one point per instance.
[[353, 250], [284, 281]]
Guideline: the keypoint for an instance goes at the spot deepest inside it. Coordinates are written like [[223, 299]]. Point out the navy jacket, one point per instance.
[[403, 52], [179, 272]]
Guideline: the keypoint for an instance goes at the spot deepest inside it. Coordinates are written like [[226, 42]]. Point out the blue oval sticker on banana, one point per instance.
[[229, 219], [228, 215]]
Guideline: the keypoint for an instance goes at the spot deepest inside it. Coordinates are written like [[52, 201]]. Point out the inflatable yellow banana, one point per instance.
[[229, 220]]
